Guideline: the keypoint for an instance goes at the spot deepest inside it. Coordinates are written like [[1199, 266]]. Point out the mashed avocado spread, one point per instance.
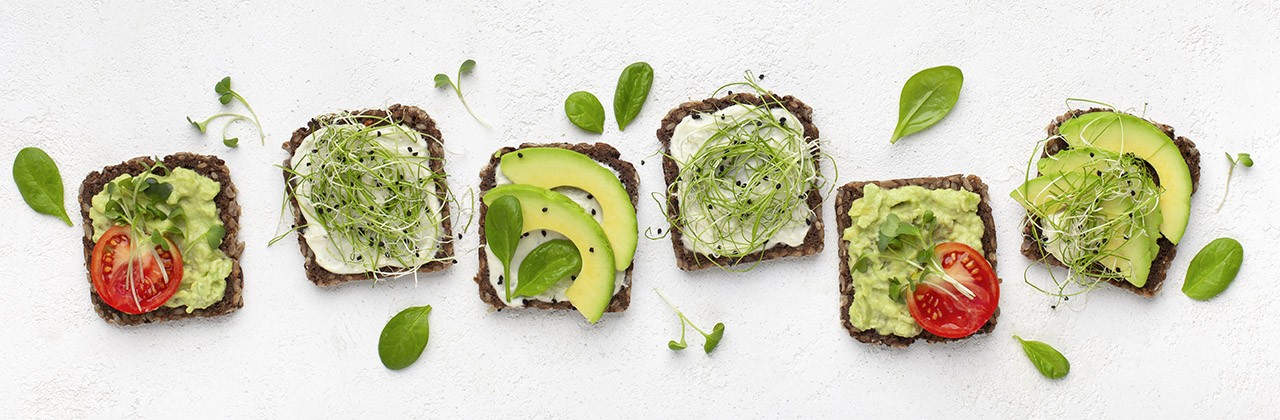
[[873, 306], [204, 268]]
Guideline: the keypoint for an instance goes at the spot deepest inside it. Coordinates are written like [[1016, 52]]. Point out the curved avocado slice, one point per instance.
[[1081, 159], [1130, 247], [541, 208], [1124, 133], [552, 167]]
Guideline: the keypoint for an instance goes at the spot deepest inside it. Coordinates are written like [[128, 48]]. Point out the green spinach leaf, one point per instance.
[[633, 89], [1051, 363], [1213, 269], [40, 182], [404, 338], [927, 97], [585, 111], [546, 265], [503, 224]]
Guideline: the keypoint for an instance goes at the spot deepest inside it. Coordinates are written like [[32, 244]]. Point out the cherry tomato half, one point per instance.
[[940, 308], [132, 274]]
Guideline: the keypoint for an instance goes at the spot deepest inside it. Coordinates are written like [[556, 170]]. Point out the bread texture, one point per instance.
[[228, 211], [1033, 249], [409, 116], [688, 260], [600, 152], [847, 194]]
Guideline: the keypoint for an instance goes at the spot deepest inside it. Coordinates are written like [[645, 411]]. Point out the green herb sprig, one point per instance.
[[1241, 159], [442, 81], [225, 95], [712, 339], [404, 337], [40, 182]]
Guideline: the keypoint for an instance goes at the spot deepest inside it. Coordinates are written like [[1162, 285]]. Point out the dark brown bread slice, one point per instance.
[[409, 116], [229, 211], [1032, 248], [600, 152], [845, 197], [688, 260]]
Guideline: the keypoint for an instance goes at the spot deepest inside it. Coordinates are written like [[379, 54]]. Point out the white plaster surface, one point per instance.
[[98, 82]]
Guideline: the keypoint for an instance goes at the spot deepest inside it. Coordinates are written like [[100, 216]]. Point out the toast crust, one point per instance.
[[1164, 258], [601, 153], [409, 116], [845, 197], [228, 211], [688, 260]]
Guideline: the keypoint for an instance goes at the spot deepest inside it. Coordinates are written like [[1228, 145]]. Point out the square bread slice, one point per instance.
[[1031, 248], [409, 116], [845, 197], [688, 260], [228, 211], [604, 154]]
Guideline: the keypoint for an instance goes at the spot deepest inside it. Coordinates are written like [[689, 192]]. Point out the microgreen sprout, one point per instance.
[[442, 80], [225, 96], [752, 178], [369, 184], [712, 339], [1241, 159], [911, 244]]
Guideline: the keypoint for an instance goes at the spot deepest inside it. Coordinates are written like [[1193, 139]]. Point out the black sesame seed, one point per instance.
[[731, 92], [544, 209], [1053, 307], [410, 148], [695, 116], [779, 186], [591, 249], [500, 279], [591, 197], [1099, 173], [782, 120], [641, 163], [1066, 298], [459, 236], [748, 202], [659, 231], [525, 235], [593, 212], [808, 222], [762, 76], [544, 233], [708, 207], [573, 277], [359, 257], [415, 153], [520, 155]]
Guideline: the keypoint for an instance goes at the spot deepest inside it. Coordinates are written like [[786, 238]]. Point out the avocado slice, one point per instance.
[[1124, 133], [1082, 159], [1131, 245], [542, 208], [552, 167]]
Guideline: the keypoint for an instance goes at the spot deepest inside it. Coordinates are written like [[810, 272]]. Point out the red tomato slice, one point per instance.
[[131, 278], [940, 308]]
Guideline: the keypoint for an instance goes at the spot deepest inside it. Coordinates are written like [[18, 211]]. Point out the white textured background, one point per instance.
[[98, 82]]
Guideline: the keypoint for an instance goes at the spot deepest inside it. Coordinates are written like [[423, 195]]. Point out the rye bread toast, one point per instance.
[[688, 260], [409, 116], [845, 197], [600, 152], [1032, 248], [228, 211]]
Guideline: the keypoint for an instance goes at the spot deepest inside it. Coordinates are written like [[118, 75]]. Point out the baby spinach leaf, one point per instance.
[[404, 338], [585, 111], [633, 89], [503, 224], [1051, 363], [546, 265], [40, 182], [927, 97], [1213, 269]]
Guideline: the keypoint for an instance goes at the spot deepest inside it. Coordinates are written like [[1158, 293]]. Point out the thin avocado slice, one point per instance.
[[1082, 159], [1124, 133], [552, 167], [541, 208]]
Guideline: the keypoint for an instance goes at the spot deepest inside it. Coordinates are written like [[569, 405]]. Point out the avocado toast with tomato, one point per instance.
[[1110, 200], [560, 220], [917, 260], [161, 239]]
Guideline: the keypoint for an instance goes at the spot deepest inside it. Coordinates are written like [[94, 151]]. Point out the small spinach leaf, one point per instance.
[[633, 89], [503, 224], [585, 111], [40, 182], [1051, 363], [927, 97], [404, 338], [1213, 269], [546, 265]]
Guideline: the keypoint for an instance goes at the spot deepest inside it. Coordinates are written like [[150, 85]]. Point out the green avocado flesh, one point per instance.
[[552, 167], [542, 208], [1124, 133], [1127, 245]]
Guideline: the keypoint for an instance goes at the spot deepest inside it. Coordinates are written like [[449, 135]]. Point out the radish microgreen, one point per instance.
[[712, 339], [442, 80], [1241, 159], [225, 96]]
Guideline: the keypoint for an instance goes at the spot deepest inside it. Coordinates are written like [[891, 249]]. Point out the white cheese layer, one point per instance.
[[690, 136], [337, 254], [538, 237]]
